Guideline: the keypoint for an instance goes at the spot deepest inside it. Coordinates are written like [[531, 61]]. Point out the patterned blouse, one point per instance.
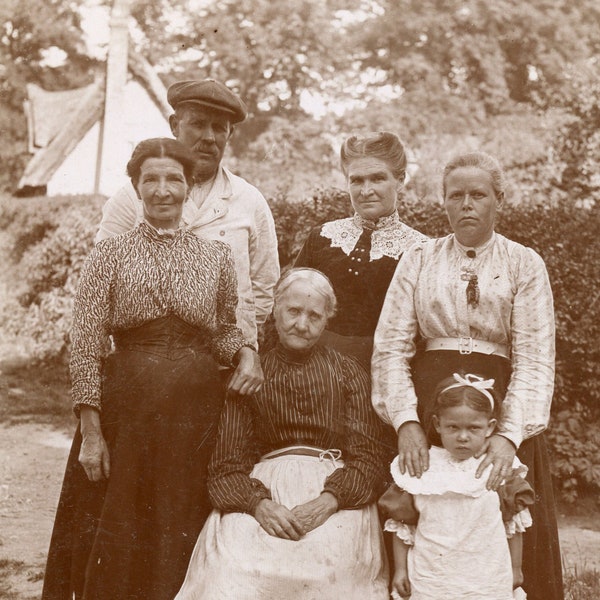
[[428, 297], [360, 263], [320, 400], [143, 275]]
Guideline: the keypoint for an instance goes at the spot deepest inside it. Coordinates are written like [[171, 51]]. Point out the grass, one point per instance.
[[9, 567], [581, 583]]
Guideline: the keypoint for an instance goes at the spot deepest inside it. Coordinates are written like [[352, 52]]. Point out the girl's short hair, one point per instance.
[[384, 145], [449, 394], [161, 148], [316, 280], [480, 160]]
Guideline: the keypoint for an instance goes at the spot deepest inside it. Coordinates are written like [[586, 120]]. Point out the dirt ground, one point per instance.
[[32, 460]]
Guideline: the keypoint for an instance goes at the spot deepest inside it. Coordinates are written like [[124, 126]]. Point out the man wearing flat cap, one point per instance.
[[221, 205]]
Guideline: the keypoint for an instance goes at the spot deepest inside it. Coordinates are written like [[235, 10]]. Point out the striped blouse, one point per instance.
[[143, 275], [321, 400]]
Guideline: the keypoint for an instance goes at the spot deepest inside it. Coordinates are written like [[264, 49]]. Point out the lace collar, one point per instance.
[[391, 237], [445, 474]]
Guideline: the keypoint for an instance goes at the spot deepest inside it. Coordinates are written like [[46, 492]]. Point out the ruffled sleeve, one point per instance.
[[401, 530], [516, 495]]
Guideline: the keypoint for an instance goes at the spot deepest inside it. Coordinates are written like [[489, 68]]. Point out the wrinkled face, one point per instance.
[[163, 190], [373, 188], [206, 133], [463, 430], [471, 204], [300, 317]]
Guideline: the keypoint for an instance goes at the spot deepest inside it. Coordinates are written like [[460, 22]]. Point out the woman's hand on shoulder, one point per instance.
[[413, 450], [247, 378], [500, 452], [278, 521], [314, 513], [93, 455]]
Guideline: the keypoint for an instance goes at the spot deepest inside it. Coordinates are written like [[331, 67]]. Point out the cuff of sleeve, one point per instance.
[[512, 436], [519, 523], [91, 402], [235, 359], [404, 532], [255, 498], [404, 416], [335, 491]]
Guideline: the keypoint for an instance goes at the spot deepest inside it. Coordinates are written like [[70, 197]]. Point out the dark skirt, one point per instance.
[[542, 568], [131, 537]]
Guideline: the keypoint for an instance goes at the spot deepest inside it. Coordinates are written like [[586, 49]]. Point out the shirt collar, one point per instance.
[[381, 223]]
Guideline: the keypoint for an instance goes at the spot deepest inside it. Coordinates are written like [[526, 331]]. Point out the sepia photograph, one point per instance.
[[300, 300]]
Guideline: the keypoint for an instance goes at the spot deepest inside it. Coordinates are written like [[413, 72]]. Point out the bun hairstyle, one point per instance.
[[468, 390], [383, 145], [161, 148]]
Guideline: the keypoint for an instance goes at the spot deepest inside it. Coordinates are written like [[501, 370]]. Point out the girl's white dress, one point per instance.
[[459, 546]]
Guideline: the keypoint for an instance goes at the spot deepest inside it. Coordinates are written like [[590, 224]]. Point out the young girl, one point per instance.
[[459, 549]]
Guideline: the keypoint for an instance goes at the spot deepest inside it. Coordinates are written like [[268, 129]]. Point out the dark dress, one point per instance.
[[169, 303], [360, 262]]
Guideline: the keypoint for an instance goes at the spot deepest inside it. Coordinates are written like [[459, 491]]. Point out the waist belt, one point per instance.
[[467, 345], [333, 454]]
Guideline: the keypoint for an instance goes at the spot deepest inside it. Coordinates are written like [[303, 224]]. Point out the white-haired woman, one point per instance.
[[295, 471]]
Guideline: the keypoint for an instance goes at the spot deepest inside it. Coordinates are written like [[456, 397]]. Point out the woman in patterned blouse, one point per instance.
[[359, 254], [295, 472], [134, 496], [483, 305]]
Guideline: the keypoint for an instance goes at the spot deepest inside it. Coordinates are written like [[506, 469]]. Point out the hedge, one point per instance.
[[51, 238]]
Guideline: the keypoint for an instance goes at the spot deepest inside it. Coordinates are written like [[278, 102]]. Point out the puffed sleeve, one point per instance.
[[227, 339], [230, 487], [89, 333], [526, 407], [394, 397], [516, 496], [360, 480]]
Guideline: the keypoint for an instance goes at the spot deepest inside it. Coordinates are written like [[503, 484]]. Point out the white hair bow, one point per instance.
[[474, 381]]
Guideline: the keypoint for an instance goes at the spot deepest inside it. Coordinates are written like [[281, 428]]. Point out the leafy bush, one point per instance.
[[48, 264]]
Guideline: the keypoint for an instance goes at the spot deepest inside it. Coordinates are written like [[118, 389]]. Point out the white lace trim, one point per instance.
[[445, 474], [518, 523], [403, 531], [390, 237]]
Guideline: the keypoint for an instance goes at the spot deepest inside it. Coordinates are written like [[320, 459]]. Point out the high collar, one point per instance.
[[478, 249], [382, 223], [160, 235], [292, 357]]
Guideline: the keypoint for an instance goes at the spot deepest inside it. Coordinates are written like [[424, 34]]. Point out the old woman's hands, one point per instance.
[[247, 377], [315, 512], [93, 455], [278, 521], [500, 452]]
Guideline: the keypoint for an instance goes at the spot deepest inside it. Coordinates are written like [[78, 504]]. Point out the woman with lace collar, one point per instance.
[[359, 254], [134, 496]]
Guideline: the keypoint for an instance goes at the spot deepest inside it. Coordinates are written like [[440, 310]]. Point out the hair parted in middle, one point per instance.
[[384, 145], [161, 148], [318, 281]]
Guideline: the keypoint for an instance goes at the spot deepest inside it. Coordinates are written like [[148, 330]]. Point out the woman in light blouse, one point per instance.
[[134, 495], [482, 304]]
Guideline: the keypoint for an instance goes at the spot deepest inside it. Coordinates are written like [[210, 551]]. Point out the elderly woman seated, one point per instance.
[[295, 471]]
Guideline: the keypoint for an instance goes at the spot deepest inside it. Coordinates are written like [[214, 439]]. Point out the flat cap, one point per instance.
[[210, 93]]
